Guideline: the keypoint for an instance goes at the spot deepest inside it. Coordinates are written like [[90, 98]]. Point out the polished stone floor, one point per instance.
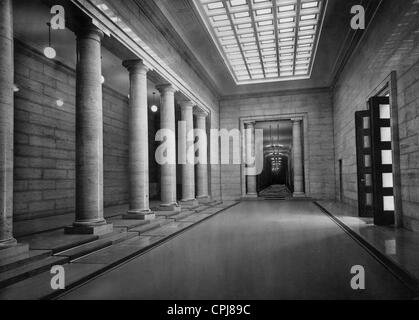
[[256, 250], [399, 245]]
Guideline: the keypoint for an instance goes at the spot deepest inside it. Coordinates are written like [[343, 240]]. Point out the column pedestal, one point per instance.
[[189, 204]]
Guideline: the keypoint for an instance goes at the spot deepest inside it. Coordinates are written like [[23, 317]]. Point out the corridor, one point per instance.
[[209, 149], [268, 250]]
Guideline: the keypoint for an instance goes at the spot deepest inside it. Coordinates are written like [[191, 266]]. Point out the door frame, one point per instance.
[[278, 117], [389, 84]]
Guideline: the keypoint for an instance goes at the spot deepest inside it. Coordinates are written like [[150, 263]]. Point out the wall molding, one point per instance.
[[280, 93]]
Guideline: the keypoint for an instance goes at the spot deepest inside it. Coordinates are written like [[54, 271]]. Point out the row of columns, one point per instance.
[[89, 172], [297, 158], [89, 217]]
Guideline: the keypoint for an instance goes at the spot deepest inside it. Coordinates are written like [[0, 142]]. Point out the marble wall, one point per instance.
[[391, 44], [317, 107]]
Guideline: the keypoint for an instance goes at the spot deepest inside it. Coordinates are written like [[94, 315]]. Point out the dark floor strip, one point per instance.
[[404, 276]]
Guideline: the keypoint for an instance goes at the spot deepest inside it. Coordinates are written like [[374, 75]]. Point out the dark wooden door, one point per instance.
[[364, 163]]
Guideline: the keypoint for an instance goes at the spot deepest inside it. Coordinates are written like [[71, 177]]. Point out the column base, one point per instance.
[[174, 207], [139, 215], [189, 204], [98, 230], [204, 199], [299, 195], [11, 248]]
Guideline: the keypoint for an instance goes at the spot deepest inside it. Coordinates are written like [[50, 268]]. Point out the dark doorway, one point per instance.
[[275, 179]]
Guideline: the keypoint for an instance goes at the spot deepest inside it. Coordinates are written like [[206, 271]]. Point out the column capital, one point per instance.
[[250, 124], [136, 66], [186, 104], [297, 119], [166, 88], [89, 30], [200, 113]]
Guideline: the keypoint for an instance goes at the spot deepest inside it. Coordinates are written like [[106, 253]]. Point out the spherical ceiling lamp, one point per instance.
[[49, 51], [102, 79], [60, 102], [154, 107]]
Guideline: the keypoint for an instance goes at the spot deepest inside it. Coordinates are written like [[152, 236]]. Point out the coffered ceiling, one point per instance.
[[324, 25]]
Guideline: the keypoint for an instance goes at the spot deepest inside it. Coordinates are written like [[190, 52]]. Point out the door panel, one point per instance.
[[381, 138], [364, 163]]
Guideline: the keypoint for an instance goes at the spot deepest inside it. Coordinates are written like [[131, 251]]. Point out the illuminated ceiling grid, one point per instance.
[[265, 40]]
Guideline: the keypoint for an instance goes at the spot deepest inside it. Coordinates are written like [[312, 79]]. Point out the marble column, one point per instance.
[[186, 147], [297, 157], [8, 245], [168, 170], [250, 154], [139, 200], [89, 135], [202, 168]]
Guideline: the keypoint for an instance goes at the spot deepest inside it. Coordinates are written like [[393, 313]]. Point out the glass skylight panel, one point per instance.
[[286, 8], [265, 42], [288, 39], [251, 34], [286, 48], [304, 45], [302, 66], [220, 17], [252, 60], [305, 28], [265, 23], [286, 69], [243, 14], [266, 33], [235, 3], [286, 20], [310, 4], [215, 5], [268, 51], [271, 64], [286, 30], [270, 58], [271, 70], [244, 25], [287, 73], [286, 62], [262, 12], [308, 17]]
